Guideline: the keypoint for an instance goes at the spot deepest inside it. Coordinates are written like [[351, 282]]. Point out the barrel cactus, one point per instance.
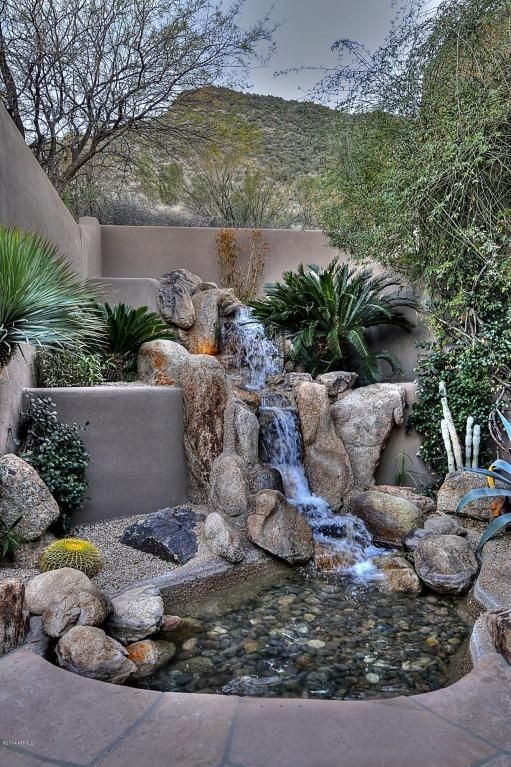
[[71, 552]]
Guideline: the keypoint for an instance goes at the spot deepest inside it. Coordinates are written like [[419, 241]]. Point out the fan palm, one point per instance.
[[42, 302], [326, 312]]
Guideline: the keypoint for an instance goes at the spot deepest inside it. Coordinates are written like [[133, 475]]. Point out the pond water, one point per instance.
[[319, 637]]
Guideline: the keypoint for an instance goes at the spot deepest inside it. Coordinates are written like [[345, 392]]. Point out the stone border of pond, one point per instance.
[[50, 716]]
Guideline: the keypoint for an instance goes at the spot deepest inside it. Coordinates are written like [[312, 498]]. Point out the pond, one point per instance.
[[320, 637]]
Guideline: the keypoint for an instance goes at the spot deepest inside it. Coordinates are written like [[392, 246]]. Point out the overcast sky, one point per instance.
[[308, 29]]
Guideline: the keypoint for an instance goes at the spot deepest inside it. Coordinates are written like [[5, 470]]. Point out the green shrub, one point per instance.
[[69, 367], [41, 301], [58, 454], [127, 329], [9, 539], [473, 375], [326, 313]]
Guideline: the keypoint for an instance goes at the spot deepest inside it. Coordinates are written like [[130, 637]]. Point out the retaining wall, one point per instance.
[[134, 437]]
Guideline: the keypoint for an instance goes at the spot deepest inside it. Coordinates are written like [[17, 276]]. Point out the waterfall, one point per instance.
[[345, 536], [247, 348]]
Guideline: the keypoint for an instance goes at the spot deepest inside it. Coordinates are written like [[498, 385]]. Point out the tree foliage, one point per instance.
[[422, 184], [79, 78]]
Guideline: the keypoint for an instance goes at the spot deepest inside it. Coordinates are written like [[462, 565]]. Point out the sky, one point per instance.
[[306, 32]]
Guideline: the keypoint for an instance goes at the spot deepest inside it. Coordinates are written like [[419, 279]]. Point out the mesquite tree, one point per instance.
[[78, 77]]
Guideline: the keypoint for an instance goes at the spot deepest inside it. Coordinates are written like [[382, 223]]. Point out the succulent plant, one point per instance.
[[71, 552]]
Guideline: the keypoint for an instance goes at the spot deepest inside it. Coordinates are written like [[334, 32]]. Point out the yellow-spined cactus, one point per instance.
[[71, 552]]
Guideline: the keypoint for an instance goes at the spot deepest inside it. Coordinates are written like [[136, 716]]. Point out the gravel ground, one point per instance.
[[122, 565]]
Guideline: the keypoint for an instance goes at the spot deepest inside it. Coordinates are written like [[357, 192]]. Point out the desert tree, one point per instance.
[[81, 77]]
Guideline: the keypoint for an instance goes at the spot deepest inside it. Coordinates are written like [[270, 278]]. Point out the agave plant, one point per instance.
[[42, 302], [325, 312], [127, 329], [499, 471]]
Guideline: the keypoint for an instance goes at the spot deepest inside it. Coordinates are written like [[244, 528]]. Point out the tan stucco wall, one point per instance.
[[28, 199], [13, 379], [134, 438]]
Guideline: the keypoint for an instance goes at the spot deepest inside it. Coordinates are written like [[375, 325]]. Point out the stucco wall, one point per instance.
[[133, 291], [135, 441], [13, 379], [28, 199]]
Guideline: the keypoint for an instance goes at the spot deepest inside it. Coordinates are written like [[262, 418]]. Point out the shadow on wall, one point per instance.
[[18, 375]]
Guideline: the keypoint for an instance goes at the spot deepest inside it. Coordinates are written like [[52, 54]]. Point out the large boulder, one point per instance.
[[204, 336], [24, 494], [205, 395], [364, 419], [277, 527], [387, 517], [263, 477], [446, 563], [223, 540], [455, 486], [229, 485], [168, 534], [159, 363], [149, 655], [326, 461], [137, 614], [77, 608], [88, 651], [175, 297], [44, 589], [399, 575], [337, 382]]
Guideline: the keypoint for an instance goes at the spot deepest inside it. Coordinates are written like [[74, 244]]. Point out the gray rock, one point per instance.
[[441, 524], [263, 477], [388, 518], [277, 527], [455, 486], [175, 297], [159, 363], [27, 555], [399, 575], [229, 485], [36, 640], [137, 614], [253, 686], [222, 540], [241, 432], [77, 608], [326, 461], [45, 588], [88, 651], [425, 504], [168, 534], [24, 494], [446, 563], [176, 629], [337, 382], [205, 395], [150, 655], [364, 419]]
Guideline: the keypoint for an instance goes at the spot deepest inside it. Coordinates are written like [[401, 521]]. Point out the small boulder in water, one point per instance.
[[399, 574], [278, 527], [328, 559], [266, 686], [388, 518], [446, 563]]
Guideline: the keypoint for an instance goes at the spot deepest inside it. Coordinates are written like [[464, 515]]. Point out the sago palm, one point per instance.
[[326, 312], [42, 302]]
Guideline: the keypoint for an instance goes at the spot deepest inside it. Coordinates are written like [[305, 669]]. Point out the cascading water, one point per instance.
[[247, 348], [346, 536]]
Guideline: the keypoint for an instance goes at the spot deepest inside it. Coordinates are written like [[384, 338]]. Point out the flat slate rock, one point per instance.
[[168, 534]]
